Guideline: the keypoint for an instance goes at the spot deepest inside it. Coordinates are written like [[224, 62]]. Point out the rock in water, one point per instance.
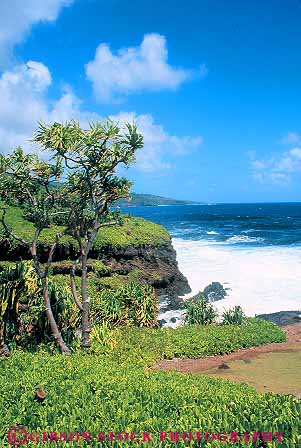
[[162, 322], [282, 318], [212, 293]]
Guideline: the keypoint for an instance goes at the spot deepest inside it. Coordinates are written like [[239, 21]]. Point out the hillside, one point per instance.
[[150, 199]]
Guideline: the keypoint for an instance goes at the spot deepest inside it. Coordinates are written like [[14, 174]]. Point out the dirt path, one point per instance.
[[293, 344]]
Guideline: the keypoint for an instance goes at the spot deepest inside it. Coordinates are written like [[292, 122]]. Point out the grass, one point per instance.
[[270, 372], [134, 232], [119, 392]]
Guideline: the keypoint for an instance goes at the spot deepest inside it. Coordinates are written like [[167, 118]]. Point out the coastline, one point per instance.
[[261, 280]]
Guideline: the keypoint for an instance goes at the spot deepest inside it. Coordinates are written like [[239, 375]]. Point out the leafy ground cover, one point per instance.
[[196, 341], [114, 389]]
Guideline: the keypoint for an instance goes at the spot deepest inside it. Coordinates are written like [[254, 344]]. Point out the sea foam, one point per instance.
[[261, 279]]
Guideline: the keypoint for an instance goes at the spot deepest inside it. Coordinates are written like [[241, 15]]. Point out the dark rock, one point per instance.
[[173, 320], [4, 351], [157, 266], [212, 293], [282, 318], [162, 322], [247, 361], [223, 366]]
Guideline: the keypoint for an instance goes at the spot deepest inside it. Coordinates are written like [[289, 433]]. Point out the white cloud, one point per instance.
[[158, 144], [18, 16], [131, 69], [291, 138], [24, 102], [276, 169], [23, 93]]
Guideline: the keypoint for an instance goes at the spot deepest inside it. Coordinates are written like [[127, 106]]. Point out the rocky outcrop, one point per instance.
[[282, 318], [212, 293], [151, 264], [154, 265]]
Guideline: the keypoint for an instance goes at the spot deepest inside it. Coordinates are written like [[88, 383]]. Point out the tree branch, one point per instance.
[[51, 253]]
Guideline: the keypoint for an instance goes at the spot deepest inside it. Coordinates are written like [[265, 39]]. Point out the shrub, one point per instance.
[[103, 338], [11, 283], [234, 316], [22, 314], [133, 304], [199, 312], [27, 326]]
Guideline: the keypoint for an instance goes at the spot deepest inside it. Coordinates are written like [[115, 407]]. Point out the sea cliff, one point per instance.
[[137, 251]]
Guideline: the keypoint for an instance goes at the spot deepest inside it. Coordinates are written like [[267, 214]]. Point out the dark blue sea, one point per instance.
[[239, 224], [254, 250]]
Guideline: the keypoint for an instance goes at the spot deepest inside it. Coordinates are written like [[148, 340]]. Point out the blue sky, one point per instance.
[[213, 85]]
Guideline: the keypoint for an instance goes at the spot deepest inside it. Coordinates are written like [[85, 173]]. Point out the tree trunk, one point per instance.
[[1, 333], [54, 328], [86, 328]]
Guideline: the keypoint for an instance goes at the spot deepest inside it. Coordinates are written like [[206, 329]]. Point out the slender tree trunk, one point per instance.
[[1, 333], [53, 325], [4, 351], [86, 328], [43, 277]]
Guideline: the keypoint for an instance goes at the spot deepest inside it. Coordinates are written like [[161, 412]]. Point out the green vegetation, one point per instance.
[[202, 312], [150, 199], [23, 320], [199, 312], [234, 315], [118, 392], [113, 386], [197, 341], [133, 232], [89, 159], [132, 305]]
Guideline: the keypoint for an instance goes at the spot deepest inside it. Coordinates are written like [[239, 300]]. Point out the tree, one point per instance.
[[90, 159], [27, 181]]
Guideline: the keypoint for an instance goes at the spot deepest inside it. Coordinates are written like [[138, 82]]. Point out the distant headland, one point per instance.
[[138, 199]]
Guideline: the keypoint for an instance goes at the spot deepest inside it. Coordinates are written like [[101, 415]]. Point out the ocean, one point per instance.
[[252, 249]]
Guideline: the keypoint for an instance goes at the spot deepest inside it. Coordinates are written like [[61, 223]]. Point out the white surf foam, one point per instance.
[[262, 279], [244, 239]]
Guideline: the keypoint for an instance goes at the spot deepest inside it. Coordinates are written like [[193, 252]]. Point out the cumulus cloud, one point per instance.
[[18, 16], [159, 145], [131, 69], [24, 102], [276, 169]]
